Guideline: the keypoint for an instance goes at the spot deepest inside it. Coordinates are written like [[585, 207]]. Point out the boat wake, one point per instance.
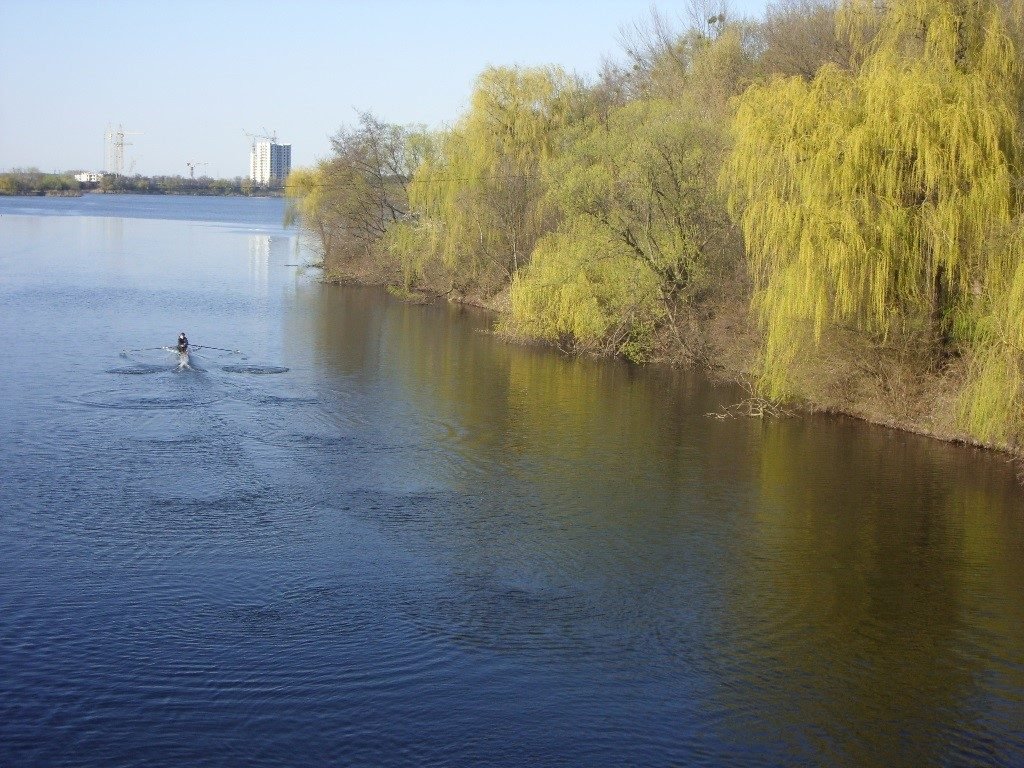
[[119, 400]]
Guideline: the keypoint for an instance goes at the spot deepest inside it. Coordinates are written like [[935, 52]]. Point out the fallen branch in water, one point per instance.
[[756, 407]]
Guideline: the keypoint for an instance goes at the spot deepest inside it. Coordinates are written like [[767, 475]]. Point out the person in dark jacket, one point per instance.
[[182, 343]]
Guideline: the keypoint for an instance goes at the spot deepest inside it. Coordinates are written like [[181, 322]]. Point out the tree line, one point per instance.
[[181, 185], [34, 182], [827, 203]]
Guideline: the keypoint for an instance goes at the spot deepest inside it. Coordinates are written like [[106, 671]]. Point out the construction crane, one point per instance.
[[192, 165], [115, 148], [265, 136]]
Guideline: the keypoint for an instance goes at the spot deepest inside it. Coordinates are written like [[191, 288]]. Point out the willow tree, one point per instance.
[[306, 190], [478, 196], [870, 198], [635, 190], [585, 291]]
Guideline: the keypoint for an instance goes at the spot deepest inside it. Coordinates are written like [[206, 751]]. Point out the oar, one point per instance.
[[219, 349], [141, 349]]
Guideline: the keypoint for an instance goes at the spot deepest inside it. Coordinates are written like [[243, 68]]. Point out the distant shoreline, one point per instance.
[[155, 193], [183, 193], [34, 183]]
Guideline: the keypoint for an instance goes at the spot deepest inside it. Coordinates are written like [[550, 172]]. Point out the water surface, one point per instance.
[[382, 537]]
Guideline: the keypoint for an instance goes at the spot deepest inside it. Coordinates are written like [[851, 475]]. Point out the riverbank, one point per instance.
[[673, 212], [887, 389]]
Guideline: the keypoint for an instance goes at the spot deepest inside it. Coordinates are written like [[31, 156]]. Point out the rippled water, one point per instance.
[[379, 536]]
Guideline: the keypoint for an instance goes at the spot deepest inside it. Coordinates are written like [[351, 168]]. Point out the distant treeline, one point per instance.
[[181, 185], [827, 204], [33, 182]]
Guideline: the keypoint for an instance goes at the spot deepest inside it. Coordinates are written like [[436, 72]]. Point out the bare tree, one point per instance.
[[377, 151], [799, 36], [647, 42]]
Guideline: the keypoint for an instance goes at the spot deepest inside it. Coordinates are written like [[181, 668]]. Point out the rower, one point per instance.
[[182, 343]]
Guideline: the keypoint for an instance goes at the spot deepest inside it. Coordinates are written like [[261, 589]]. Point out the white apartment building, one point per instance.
[[88, 177], [269, 162]]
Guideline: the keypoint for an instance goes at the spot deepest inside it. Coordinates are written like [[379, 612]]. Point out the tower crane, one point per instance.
[[271, 137], [115, 148], [192, 165]]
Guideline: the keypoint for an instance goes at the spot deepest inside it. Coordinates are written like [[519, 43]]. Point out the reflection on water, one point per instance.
[[259, 262], [872, 574], [382, 537], [266, 250], [113, 240], [804, 576]]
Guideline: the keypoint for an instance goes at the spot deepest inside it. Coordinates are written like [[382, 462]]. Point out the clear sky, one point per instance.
[[191, 76]]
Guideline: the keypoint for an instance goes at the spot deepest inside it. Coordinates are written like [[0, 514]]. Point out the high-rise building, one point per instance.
[[269, 161]]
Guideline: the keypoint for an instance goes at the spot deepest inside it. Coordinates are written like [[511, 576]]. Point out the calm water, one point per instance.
[[382, 537]]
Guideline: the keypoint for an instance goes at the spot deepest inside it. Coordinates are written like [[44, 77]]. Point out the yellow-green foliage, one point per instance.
[[301, 190], [633, 191], [305, 191], [992, 405], [723, 67], [584, 284], [478, 194], [870, 198], [412, 245]]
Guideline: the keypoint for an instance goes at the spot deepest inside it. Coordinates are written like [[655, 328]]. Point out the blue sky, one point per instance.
[[191, 76]]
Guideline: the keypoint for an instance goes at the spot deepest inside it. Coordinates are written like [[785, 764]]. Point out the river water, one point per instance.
[[380, 536]]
